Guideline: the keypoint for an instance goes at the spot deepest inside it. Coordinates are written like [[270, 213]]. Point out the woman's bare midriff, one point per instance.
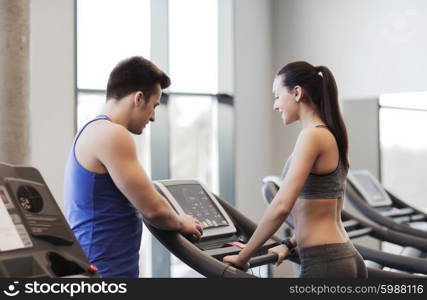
[[318, 222]]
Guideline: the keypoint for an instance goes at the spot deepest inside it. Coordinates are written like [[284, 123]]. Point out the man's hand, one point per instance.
[[192, 227], [282, 251], [236, 261]]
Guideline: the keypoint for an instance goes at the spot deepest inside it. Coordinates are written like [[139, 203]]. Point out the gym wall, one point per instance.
[[371, 49]]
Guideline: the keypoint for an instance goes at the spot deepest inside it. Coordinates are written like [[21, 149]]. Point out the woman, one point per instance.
[[313, 178]]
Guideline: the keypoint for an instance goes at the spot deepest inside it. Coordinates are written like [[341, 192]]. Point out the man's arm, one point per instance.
[[117, 152]]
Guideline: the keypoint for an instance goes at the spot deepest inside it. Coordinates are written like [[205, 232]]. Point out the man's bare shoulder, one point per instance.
[[108, 136]]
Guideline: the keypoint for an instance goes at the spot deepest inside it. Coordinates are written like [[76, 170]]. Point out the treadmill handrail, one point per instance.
[[404, 263], [359, 232], [395, 212], [356, 199], [389, 235], [199, 260], [248, 225], [187, 252], [263, 259]]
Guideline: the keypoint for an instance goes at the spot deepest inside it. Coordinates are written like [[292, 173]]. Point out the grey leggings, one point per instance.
[[332, 261]]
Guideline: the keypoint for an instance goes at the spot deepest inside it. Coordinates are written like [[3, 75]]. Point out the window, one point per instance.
[[107, 32], [182, 38], [193, 145], [193, 66], [403, 119], [193, 46]]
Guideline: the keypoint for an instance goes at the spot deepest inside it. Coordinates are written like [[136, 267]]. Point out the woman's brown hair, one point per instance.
[[319, 86]]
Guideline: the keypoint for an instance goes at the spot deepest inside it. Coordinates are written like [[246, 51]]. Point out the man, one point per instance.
[[106, 187]]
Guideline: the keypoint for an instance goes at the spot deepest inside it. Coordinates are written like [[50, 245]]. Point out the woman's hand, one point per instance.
[[282, 251], [236, 261]]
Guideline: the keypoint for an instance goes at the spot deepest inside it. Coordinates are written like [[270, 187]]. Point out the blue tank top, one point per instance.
[[103, 220]]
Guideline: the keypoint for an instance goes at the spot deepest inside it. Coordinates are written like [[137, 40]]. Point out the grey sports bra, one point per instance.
[[321, 186]]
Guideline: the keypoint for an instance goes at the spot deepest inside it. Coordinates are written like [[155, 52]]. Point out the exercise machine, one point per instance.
[[367, 195], [36, 240], [225, 231]]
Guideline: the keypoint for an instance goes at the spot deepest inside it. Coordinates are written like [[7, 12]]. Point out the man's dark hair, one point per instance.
[[135, 74]]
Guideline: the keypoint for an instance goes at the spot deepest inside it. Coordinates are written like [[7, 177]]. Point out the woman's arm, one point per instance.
[[294, 240], [283, 250], [306, 151]]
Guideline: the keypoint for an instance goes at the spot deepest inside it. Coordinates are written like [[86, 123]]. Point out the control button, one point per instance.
[[92, 269], [238, 245]]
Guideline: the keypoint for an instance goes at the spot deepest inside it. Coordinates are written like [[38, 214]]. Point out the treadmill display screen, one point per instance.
[[195, 202], [13, 232], [374, 193]]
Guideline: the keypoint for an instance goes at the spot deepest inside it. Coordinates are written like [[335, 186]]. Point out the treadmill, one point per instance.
[[356, 228], [36, 241], [225, 231], [368, 196]]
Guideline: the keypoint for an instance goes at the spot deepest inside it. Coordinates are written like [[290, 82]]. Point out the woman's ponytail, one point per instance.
[[320, 88], [330, 112]]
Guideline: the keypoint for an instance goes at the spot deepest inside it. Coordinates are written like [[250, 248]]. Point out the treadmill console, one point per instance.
[[192, 198], [225, 230], [369, 187], [36, 240], [14, 234]]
